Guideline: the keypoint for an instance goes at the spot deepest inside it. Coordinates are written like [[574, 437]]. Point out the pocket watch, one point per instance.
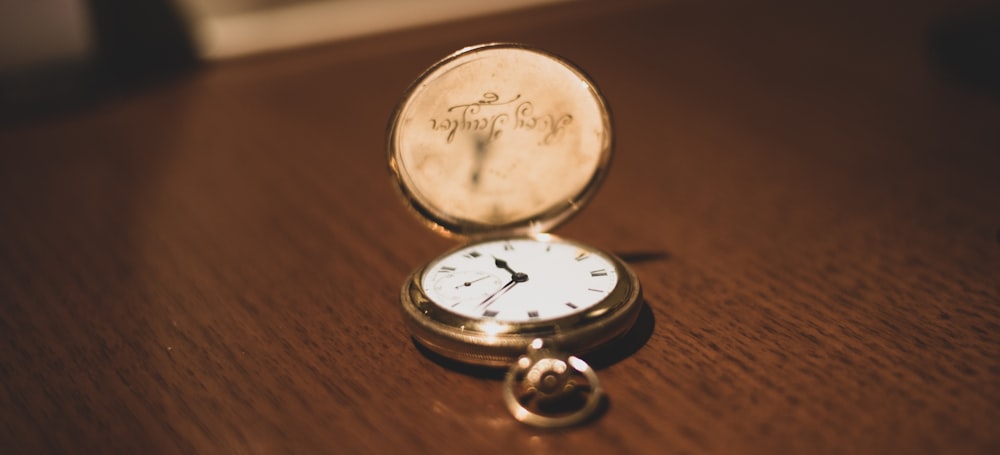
[[495, 145]]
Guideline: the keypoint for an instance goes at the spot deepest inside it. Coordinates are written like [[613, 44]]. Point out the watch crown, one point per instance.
[[551, 389]]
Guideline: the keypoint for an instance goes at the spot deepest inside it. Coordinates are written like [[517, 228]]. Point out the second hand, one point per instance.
[[469, 283]]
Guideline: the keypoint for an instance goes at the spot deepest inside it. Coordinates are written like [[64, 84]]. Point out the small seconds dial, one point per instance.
[[520, 280]]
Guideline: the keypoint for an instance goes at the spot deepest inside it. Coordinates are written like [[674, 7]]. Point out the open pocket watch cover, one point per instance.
[[495, 145]]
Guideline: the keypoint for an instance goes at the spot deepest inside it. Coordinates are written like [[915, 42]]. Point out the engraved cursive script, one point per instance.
[[490, 117]]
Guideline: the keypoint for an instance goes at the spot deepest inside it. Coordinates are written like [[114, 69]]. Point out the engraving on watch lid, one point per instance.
[[500, 138]]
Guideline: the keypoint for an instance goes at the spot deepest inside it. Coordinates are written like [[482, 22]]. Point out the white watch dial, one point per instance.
[[520, 280]]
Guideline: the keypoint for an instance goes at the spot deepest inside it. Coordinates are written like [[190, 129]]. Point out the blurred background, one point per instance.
[[55, 53]]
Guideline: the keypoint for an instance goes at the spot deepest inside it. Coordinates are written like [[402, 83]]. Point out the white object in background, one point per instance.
[[221, 29], [43, 34]]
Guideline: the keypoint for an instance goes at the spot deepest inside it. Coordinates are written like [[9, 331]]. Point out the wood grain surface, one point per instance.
[[810, 196]]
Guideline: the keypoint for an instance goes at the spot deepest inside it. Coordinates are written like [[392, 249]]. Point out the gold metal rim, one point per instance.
[[486, 343]]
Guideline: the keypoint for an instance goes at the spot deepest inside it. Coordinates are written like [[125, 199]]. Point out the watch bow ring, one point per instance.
[[551, 389]]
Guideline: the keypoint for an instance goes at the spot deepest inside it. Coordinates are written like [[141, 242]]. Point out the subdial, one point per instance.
[[466, 286]]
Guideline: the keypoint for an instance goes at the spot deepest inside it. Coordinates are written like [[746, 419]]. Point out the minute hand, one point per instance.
[[496, 295]]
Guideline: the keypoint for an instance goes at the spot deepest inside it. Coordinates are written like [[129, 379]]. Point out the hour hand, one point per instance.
[[502, 264], [514, 276]]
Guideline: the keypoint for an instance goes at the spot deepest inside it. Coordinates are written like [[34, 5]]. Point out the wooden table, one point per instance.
[[809, 195]]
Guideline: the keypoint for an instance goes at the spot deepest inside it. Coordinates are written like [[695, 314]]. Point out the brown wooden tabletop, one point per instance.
[[810, 196]]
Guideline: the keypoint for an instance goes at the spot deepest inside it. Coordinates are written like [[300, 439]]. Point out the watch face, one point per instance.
[[500, 138], [520, 280]]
